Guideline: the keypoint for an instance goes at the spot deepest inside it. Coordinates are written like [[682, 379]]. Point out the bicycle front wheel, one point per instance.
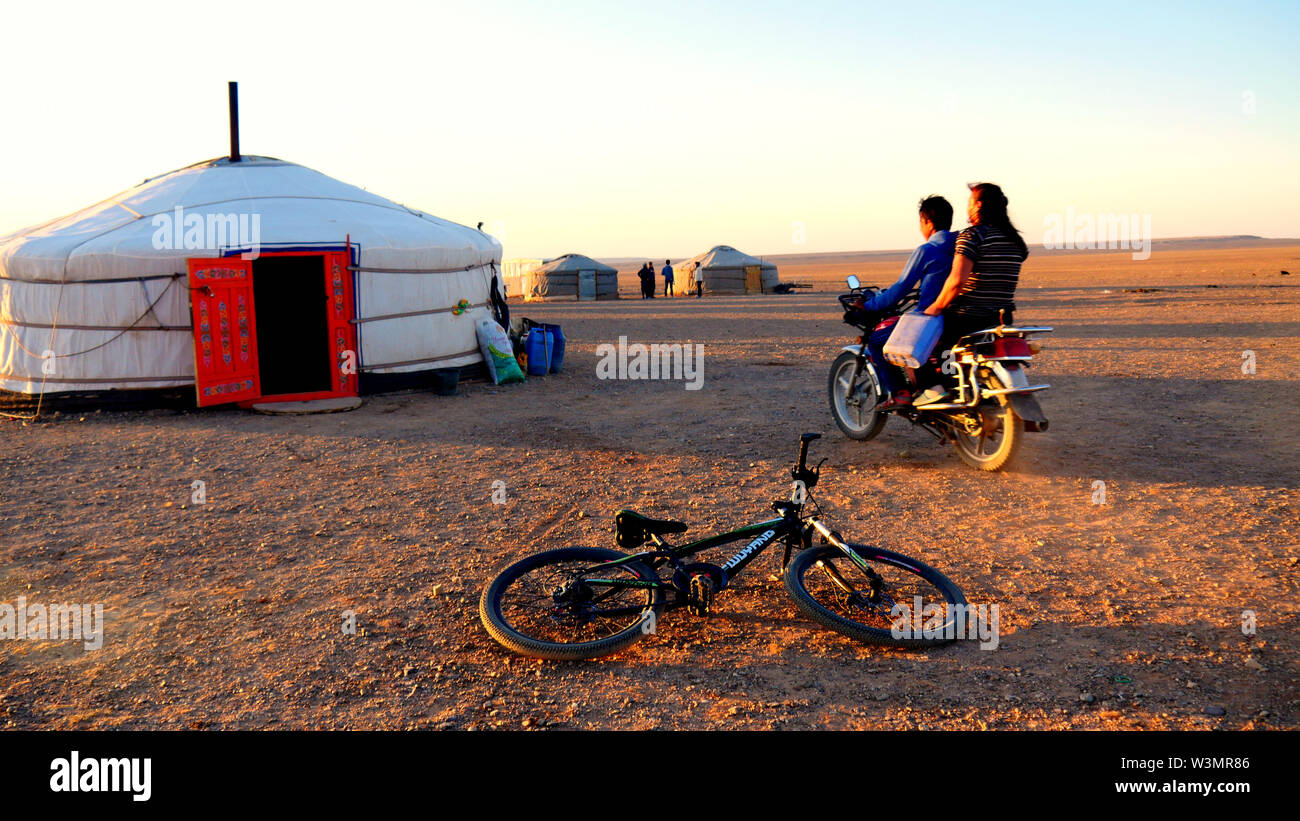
[[876, 607], [552, 605]]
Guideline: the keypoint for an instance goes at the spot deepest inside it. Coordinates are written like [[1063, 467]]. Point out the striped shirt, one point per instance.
[[992, 283]]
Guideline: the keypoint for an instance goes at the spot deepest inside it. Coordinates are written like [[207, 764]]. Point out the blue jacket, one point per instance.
[[926, 270]]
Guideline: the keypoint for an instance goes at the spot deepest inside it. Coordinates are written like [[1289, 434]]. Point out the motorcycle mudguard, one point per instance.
[[1024, 404], [861, 350], [1027, 408], [1010, 374]]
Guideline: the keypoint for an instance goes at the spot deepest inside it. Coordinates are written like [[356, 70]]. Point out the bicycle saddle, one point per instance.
[[633, 529]]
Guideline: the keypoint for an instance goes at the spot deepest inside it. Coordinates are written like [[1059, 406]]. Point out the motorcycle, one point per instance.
[[993, 406]]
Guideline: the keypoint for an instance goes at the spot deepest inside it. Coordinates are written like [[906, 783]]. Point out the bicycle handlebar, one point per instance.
[[801, 472], [803, 448]]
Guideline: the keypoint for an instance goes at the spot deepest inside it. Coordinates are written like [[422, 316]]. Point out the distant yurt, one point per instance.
[[242, 278], [512, 272], [570, 277], [727, 271]]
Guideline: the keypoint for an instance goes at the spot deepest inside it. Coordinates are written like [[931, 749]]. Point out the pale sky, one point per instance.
[[660, 129]]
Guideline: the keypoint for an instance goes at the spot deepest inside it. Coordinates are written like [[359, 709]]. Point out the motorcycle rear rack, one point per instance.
[[1005, 391], [1006, 330]]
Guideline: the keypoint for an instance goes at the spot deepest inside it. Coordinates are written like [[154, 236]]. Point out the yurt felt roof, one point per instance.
[[115, 239], [724, 256], [574, 262]]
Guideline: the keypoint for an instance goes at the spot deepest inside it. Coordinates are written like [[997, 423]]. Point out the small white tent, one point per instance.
[[727, 271], [571, 276], [255, 278]]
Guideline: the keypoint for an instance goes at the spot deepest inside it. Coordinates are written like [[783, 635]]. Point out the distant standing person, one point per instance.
[[645, 289], [699, 280], [650, 278], [668, 278]]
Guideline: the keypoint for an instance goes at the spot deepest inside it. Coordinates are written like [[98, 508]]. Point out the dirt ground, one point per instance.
[[1121, 615]]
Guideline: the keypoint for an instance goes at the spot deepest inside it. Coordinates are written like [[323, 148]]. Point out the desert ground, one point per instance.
[[1121, 615]]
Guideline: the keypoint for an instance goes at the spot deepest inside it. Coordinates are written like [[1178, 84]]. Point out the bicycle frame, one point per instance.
[[761, 535], [793, 529]]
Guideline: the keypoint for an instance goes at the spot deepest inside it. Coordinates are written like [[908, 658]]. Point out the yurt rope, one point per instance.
[[105, 281], [120, 330], [54, 325], [40, 399], [381, 317], [462, 269]]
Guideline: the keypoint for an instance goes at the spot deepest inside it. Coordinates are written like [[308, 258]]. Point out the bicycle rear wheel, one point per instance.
[[551, 605], [832, 589]]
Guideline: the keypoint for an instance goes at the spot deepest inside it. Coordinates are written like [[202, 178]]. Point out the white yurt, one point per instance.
[[727, 271], [569, 277], [246, 278], [513, 271]]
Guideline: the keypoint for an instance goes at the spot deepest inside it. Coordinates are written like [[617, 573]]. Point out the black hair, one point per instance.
[[938, 211], [993, 211]]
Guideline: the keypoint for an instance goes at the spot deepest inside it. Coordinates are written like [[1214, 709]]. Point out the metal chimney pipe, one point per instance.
[[234, 122]]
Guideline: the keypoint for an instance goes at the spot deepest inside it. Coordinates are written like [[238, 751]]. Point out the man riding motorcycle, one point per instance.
[[923, 276]]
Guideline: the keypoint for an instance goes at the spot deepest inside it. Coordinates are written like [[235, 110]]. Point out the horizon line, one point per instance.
[[888, 251]]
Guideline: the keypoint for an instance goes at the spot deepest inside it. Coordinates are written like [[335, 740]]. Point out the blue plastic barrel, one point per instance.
[[539, 360], [557, 349]]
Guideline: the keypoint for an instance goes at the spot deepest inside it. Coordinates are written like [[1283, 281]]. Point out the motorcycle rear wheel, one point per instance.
[[999, 438]]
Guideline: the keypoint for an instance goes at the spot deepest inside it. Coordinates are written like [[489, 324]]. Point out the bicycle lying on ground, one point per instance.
[[583, 602]]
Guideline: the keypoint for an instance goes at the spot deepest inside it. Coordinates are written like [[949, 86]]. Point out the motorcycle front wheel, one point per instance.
[[854, 399]]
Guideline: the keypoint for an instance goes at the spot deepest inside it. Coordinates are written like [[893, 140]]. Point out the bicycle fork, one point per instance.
[[877, 583]]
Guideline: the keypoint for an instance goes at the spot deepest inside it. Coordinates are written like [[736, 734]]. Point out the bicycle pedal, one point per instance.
[[700, 597]]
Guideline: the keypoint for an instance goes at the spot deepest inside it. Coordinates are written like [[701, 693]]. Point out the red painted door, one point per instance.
[[225, 330], [342, 333]]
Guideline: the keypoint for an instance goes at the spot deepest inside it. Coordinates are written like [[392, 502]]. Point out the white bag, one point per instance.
[[498, 352]]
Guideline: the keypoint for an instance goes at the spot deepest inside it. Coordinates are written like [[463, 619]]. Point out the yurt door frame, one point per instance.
[[227, 366], [586, 285]]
